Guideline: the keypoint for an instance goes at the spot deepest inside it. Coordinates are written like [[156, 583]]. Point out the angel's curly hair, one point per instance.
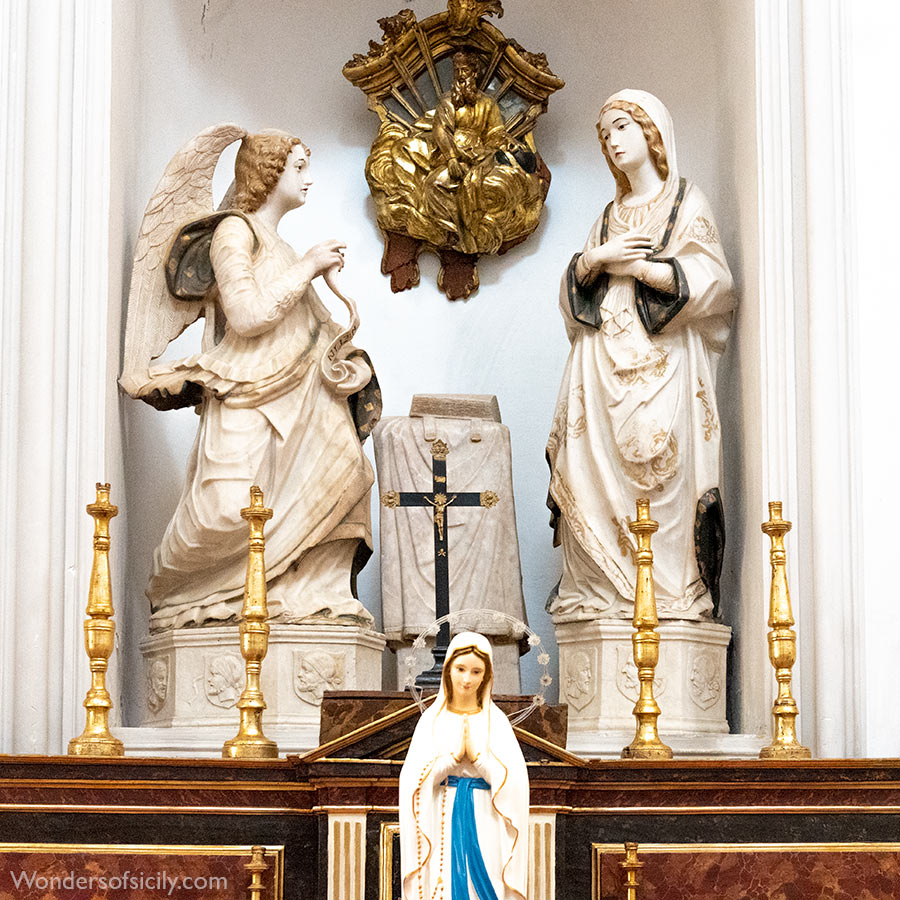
[[258, 166], [651, 134]]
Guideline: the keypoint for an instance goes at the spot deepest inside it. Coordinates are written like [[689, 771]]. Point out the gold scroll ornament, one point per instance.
[[645, 644], [250, 742], [454, 166], [99, 639], [782, 646]]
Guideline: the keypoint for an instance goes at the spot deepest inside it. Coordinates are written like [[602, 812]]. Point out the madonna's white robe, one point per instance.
[[268, 418], [636, 414], [426, 805]]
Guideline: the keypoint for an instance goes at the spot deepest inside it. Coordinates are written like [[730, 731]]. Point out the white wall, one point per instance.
[[277, 64], [57, 431], [773, 121]]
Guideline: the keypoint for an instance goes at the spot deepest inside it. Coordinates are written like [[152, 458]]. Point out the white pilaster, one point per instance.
[[875, 71], [780, 357], [831, 601], [542, 856], [12, 120], [347, 854], [807, 337], [53, 356]]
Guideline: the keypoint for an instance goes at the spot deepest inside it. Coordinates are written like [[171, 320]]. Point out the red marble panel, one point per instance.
[[64, 873], [857, 786], [812, 873], [673, 797], [85, 793]]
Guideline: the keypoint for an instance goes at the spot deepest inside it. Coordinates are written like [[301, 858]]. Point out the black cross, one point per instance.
[[440, 500]]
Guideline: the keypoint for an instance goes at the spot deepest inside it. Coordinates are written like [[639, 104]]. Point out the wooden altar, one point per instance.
[[328, 823]]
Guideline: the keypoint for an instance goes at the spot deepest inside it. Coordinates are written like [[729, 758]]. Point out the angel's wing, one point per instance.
[[184, 193]]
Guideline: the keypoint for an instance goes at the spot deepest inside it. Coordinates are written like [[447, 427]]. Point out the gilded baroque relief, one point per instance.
[[454, 167]]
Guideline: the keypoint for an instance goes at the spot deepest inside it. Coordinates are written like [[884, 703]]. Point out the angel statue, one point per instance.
[[284, 398]]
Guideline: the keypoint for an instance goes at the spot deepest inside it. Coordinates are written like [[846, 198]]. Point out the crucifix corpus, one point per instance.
[[440, 499]]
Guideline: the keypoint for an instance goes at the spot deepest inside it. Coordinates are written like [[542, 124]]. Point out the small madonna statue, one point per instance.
[[647, 307], [464, 797]]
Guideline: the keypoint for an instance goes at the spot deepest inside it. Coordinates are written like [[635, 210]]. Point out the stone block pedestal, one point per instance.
[[598, 678], [194, 676]]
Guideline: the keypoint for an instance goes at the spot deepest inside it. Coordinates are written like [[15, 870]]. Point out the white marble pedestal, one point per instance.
[[194, 676], [598, 678]]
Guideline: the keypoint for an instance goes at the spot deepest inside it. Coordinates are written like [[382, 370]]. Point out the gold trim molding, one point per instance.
[[142, 849], [645, 850], [274, 854], [154, 810], [386, 858]]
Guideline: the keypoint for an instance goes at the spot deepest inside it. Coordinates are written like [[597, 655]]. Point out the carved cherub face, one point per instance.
[[624, 140], [295, 180]]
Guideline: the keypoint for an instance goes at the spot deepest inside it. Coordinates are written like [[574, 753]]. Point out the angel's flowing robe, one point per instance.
[[636, 415], [269, 418]]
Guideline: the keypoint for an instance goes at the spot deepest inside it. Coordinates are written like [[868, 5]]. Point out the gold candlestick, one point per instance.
[[250, 742], [99, 639], [782, 646], [631, 867], [256, 867], [645, 643]]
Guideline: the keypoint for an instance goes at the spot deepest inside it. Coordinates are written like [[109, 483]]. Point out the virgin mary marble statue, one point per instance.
[[647, 307], [464, 797]]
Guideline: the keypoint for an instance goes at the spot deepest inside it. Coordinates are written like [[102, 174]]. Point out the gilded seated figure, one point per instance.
[[457, 181]]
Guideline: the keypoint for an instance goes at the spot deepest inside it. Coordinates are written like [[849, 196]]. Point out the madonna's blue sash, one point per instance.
[[465, 854]]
